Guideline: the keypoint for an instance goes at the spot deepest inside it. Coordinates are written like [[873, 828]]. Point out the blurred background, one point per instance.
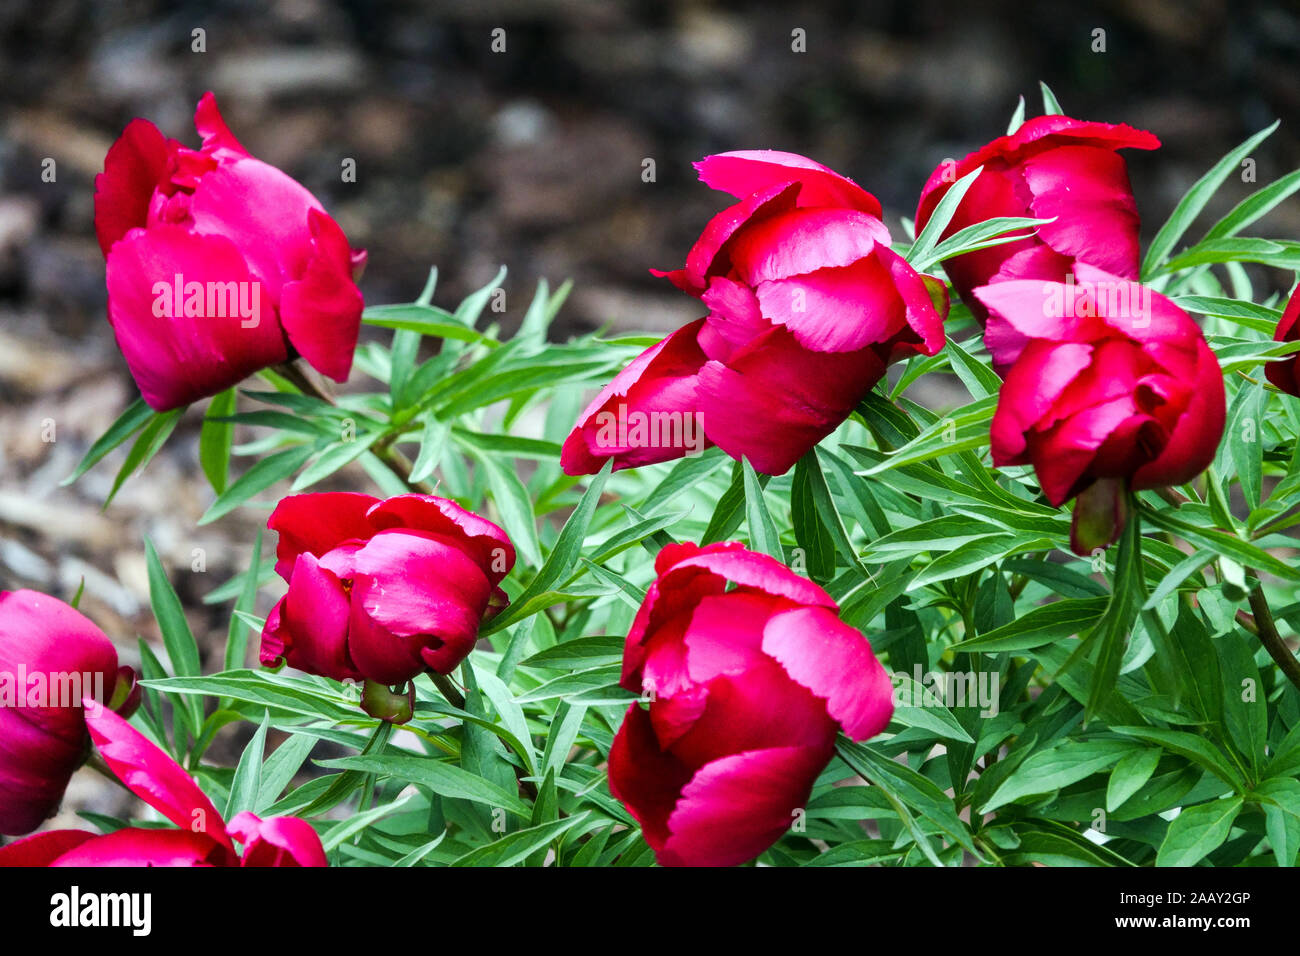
[[532, 157]]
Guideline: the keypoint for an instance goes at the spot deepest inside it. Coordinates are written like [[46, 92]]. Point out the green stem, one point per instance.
[[448, 689], [1266, 628]]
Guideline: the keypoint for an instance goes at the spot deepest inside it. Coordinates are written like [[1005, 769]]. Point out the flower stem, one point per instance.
[[1266, 628], [448, 690], [452, 693]]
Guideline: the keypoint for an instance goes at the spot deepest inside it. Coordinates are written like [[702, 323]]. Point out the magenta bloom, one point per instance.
[[51, 656], [748, 688], [218, 264], [1286, 373], [1116, 387], [203, 839], [1051, 167], [807, 305], [382, 590]]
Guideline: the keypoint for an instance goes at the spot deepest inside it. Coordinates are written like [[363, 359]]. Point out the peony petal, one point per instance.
[[661, 381], [1063, 457], [803, 241], [1036, 380], [644, 777], [736, 807], [154, 777], [835, 662], [217, 138], [144, 847], [135, 166], [709, 256], [748, 171], [1195, 439], [747, 569], [321, 311], [800, 397], [176, 359], [840, 309], [318, 523], [1283, 374], [1086, 189], [414, 586], [42, 724], [277, 841], [265, 213], [309, 627], [725, 633], [754, 710], [487, 543], [42, 849]]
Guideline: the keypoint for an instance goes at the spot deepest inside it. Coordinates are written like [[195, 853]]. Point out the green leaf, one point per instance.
[[246, 786], [215, 438], [425, 320], [1280, 800], [518, 846], [600, 650], [983, 235], [1112, 631], [332, 458], [927, 710], [763, 535], [1179, 573], [961, 431], [566, 724], [1197, 832], [442, 778], [728, 513], [512, 716], [1221, 543], [1050, 105], [146, 446], [134, 418], [1057, 767], [1196, 749], [1196, 198], [1255, 205], [1017, 117], [182, 650], [911, 789], [514, 506], [433, 440], [563, 557], [1245, 439], [1252, 316], [922, 251], [259, 477], [975, 555], [1280, 255], [977, 375], [1039, 626], [281, 767], [263, 689], [346, 829], [1130, 775]]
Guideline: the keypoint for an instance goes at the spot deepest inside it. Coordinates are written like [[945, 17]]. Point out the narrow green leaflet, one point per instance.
[[1196, 198], [215, 438]]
